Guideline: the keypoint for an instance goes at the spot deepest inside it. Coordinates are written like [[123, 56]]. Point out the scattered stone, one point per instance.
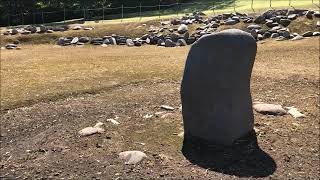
[[254, 34], [316, 34], [298, 37], [269, 109], [113, 121], [88, 28], [50, 31], [43, 29], [274, 35], [230, 22], [92, 130], [147, 116], [307, 34], [295, 113], [285, 22], [11, 46], [309, 14], [129, 42], [181, 42], [292, 16], [75, 40], [132, 157], [260, 19], [84, 39], [14, 32], [182, 29], [167, 107], [169, 43], [77, 28], [253, 27]]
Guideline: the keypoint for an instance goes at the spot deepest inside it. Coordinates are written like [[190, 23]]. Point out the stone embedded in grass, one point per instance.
[[269, 109], [298, 37], [295, 113], [129, 42], [92, 130], [132, 157], [307, 34], [74, 40], [215, 90], [169, 43], [167, 107], [77, 28], [253, 26]]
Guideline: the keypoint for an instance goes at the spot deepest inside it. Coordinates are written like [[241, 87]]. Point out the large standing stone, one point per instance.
[[215, 90]]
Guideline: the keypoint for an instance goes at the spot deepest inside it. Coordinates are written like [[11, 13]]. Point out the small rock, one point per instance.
[[75, 40], [253, 26], [295, 113], [113, 121], [230, 22], [14, 32], [88, 28], [181, 42], [92, 130], [147, 116], [182, 29], [307, 34], [298, 37], [316, 34], [285, 22], [132, 157], [129, 42], [271, 109], [167, 107], [77, 28], [84, 39], [309, 14], [274, 35], [169, 43]]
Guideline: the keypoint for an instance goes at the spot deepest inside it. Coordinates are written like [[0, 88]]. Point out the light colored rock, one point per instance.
[[167, 107], [88, 28], [92, 130], [182, 29], [295, 113], [147, 116], [113, 121], [75, 40], [270, 109], [298, 37], [76, 28], [132, 157]]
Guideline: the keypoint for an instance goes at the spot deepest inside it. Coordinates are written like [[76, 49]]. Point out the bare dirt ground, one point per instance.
[[39, 138]]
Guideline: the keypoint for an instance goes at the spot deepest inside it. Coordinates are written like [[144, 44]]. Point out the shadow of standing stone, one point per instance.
[[243, 159], [217, 107]]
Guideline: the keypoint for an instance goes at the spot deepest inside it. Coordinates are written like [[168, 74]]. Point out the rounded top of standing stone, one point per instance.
[[231, 37]]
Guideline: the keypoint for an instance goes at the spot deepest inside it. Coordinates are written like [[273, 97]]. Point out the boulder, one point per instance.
[[292, 16], [274, 35], [43, 29], [129, 42], [230, 22], [169, 43], [307, 34], [14, 32], [253, 26], [132, 157], [84, 39], [181, 42], [309, 14], [285, 22], [215, 90], [182, 29], [259, 20]]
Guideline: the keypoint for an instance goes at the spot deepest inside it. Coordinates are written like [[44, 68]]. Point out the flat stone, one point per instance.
[[270, 109], [132, 157], [92, 130]]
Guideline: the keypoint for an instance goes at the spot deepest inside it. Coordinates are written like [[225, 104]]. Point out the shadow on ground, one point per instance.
[[243, 159]]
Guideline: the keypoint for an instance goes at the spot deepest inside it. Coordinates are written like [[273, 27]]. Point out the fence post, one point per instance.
[[140, 12], [159, 10], [252, 5], [8, 19], [102, 14], [22, 19], [270, 4], [84, 14], [33, 17], [234, 5], [213, 7], [178, 8], [42, 17], [121, 12], [64, 15]]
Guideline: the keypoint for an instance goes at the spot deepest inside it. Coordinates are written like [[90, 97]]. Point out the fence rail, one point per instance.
[[139, 11]]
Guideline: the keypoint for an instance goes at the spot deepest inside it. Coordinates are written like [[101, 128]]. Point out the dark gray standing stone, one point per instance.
[[43, 29], [113, 41], [61, 41], [174, 37], [160, 42], [215, 90], [260, 19], [266, 35]]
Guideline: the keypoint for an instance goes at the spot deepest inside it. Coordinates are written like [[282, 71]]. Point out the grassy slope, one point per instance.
[[42, 73]]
